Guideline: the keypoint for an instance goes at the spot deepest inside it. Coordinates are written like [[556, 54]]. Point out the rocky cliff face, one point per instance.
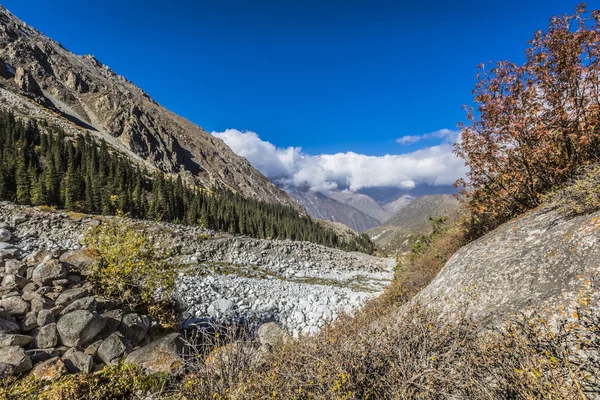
[[539, 259], [90, 97]]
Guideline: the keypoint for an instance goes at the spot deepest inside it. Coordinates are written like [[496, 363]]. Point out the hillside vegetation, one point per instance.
[[80, 174]]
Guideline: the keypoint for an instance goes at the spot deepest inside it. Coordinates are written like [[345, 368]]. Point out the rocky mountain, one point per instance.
[[41, 79], [363, 203], [396, 205], [322, 207], [400, 231]]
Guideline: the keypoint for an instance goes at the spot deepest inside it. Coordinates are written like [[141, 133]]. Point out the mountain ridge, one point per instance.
[[88, 94]]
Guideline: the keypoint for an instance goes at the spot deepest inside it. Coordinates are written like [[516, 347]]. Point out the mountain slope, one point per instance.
[[400, 231], [362, 203], [322, 207], [92, 98]]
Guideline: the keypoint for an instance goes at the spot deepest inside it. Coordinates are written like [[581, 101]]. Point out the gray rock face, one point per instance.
[[48, 271], [70, 295], [524, 262], [79, 327], [16, 358], [45, 317], [77, 361], [113, 348], [160, 356], [134, 327], [5, 235], [85, 303], [45, 337]]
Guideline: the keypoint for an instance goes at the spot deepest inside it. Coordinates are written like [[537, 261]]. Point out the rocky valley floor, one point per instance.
[[299, 285]]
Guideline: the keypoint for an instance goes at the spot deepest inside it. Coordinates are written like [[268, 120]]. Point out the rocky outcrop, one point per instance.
[[82, 95], [540, 259]]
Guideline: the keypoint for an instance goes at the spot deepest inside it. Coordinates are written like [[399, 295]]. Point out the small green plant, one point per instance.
[[133, 270]]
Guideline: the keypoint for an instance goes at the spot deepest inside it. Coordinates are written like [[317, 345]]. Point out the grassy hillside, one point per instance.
[[399, 232]]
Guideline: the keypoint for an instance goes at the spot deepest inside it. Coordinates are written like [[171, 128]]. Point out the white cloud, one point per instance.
[[435, 165], [448, 136]]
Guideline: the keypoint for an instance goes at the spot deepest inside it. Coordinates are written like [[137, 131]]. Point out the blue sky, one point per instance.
[[327, 76]]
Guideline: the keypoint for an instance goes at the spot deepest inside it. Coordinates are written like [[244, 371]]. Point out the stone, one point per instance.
[[271, 334], [85, 303], [15, 305], [134, 327], [25, 82], [39, 355], [45, 317], [79, 260], [92, 349], [79, 327], [39, 303], [160, 356], [49, 370], [38, 256], [15, 356], [49, 270], [113, 348], [31, 287], [15, 267], [5, 235], [45, 337], [7, 339], [9, 253], [220, 306], [69, 296], [14, 280], [113, 320], [77, 361], [29, 322]]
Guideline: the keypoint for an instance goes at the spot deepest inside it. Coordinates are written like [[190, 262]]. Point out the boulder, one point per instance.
[[69, 296], [45, 317], [160, 356], [113, 348], [5, 235], [79, 260], [45, 337], [30, 321], [113, 320], [85, 303], [14, 280], [49, 370], [271, 334], [26, 83], [39, 303], [79, 327], [15, 305], [49, 270], [134, 327], [15, 267], [38, 257], [8, 339], [77, 361], [15, 357]]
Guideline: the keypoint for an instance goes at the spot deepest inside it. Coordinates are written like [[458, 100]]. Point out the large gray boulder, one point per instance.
[[15, 305], [7, 339], [79, 327], [271, 334], [49, 270], [134, 327], [113, 348], [15, 357], [15, 267], [45, 337], [69, 296], [79, 260], [531, 260], [160, 356], [77, 361]]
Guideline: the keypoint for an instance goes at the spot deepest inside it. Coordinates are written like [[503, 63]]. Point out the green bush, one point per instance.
[[133, 269]]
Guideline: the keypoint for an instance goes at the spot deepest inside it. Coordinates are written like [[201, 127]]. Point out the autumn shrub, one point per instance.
[[535, 125], [133, 269], [579, 197], [113, 382]]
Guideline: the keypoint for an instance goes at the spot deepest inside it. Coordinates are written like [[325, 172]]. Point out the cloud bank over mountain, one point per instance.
[[435, 165]]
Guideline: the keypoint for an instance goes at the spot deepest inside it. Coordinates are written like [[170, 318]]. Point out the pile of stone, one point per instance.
[[51, 324]]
